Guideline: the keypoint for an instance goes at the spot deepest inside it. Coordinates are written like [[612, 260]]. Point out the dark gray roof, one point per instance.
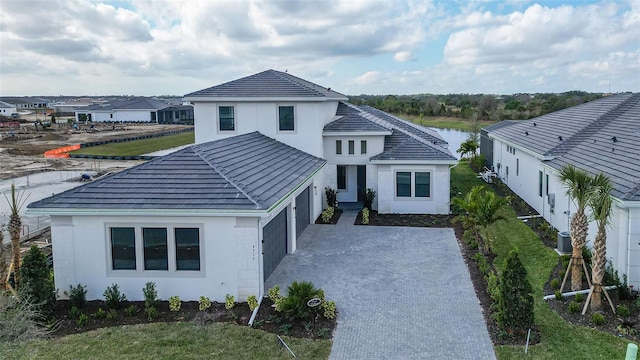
[[6, 105], [270, 84], [244, 172], [401, 146], [500, 125], [407, 141], [601, 136], [138, 103]]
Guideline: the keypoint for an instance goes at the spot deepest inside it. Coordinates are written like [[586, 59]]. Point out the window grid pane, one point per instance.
[[403, 184], [423, 188], [187, 249], [363, 147], [226, 116], [352, 147], [155, 249], [338, 147], [285, 118], [123, 249]]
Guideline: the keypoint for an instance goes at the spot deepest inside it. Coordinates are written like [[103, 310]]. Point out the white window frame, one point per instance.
[[235, 119], [295, 119], [351, 147], [139, 248], [346, 178], [339, 147], [363, 146], [413, 196]]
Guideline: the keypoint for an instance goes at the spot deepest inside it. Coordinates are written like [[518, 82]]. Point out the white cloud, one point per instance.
[[369, 77], [403, 56]]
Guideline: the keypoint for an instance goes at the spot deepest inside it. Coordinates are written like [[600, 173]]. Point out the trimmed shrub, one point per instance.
[[579, 297], [622, 310], [327, 214], [515, 304], [229, 301], [365, 216], [204, 303], [369, 196], [113, 298], [77, 295], [329, 308], [274, 293], [131, 311], [252, 301], [174, 303], [36, 280], [150, 295], [555, 284], [573, 307], [559, 295], [332, 197], [597, 319]]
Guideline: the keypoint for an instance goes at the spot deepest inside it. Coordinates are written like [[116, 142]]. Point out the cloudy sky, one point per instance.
[[155, 47]]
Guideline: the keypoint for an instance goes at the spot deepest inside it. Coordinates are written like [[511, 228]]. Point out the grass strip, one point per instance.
[[559, 339], [444, 122], [170, 341], [139, 147]]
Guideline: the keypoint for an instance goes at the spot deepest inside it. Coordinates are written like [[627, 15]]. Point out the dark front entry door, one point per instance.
[[302, 212], [362, 181]]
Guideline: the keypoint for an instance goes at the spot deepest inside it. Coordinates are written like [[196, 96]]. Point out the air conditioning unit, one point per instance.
[[551, 199]]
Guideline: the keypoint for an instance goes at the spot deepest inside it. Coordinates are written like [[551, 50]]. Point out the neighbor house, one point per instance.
[[601, 136], [216, 218], [7, 109], [139, 109]]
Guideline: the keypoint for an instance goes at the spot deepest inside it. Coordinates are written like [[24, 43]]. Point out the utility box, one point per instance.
[[564, 242]]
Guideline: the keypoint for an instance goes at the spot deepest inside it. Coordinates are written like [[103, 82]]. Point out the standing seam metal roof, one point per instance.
[[244, 172]]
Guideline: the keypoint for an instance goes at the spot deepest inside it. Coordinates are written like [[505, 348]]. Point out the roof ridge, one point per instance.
[[290, 78], [596, 125], [222, 173]]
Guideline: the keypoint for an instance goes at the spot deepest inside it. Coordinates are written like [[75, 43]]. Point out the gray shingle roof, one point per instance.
[[270, 84], [588, 133], [138, 103], [407, 141], [244, 172]]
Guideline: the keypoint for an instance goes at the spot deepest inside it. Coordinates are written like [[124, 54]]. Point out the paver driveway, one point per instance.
[[401, 293]]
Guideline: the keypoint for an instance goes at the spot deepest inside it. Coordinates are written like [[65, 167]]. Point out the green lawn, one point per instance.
[[559, 339], [139, 147], [444, 122], [170, 341]]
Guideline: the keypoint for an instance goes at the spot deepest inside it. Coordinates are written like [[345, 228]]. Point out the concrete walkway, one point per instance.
[[401, 293]]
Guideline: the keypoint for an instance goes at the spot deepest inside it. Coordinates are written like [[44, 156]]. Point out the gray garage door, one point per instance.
[[274, 242], [302, 212]]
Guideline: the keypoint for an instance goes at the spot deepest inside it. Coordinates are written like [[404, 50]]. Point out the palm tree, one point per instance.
[[15, 224], [481, 210], [578, 185], [4, 261], [468, 147], [600, 203]]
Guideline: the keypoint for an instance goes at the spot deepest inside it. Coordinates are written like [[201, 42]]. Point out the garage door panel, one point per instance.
[[274, 246], [302, 212]]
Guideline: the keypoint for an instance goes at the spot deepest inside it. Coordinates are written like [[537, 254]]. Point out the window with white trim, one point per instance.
[[157, 249], [342, 177], [363, 147], [338, 147], [352, 147], [226, 118], [413, 184], [286, 121]]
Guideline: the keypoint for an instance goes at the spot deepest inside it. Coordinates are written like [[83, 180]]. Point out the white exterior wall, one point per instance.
[[623, 234], [7, 111], [132, 115], [438, 203], [310, 118], [230, 258], [102, 116]]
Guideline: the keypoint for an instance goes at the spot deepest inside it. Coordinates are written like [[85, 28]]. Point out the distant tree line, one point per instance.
[[478, 106]]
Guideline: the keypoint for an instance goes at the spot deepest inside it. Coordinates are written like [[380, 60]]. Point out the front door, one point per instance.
[[362, 181]]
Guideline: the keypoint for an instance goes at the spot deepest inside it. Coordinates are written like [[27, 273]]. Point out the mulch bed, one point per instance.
[[267, 319], [334, 219]]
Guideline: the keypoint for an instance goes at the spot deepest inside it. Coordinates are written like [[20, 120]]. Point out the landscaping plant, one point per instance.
[[600, 202], [229, 301], [113, 298], [294, 305], [15, 225], [369, 196], [77, 295], [365, 216], [327, 214], [4, 260], [332, 197], [515, 304], [37, 280], [252, 301], [174, 303], [204, 303], [20, 319], [150, 295]]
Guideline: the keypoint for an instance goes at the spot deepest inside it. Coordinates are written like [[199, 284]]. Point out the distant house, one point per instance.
[[28, 102], [601, 136], [139, 109], [179, 114], [216, 218], [7, 109], [71, 105]]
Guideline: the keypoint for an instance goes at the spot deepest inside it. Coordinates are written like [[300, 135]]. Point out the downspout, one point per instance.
[[628, 241]]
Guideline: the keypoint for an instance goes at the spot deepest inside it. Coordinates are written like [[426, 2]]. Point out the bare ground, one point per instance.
[[21, 150]]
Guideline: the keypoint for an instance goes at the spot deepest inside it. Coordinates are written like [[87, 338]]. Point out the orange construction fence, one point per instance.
[[61, 152]]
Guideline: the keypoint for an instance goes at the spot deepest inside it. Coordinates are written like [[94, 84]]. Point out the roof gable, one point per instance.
[[269, 84], [244, 172]]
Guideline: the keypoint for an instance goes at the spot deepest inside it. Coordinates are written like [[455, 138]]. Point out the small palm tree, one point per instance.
[[578, 185], [481, 210], [468, 147], [15, 224], [600, 203]]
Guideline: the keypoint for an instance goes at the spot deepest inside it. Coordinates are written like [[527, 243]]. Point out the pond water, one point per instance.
[[454, 138]]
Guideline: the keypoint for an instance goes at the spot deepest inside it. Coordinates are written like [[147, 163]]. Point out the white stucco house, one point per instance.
[[216, 218], [601, 136], [7, 109], [139, 109]]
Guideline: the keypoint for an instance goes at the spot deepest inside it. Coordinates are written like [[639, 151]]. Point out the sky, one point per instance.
[[174, 47]]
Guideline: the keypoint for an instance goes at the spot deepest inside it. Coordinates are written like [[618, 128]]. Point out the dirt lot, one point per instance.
[[21, 150]]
